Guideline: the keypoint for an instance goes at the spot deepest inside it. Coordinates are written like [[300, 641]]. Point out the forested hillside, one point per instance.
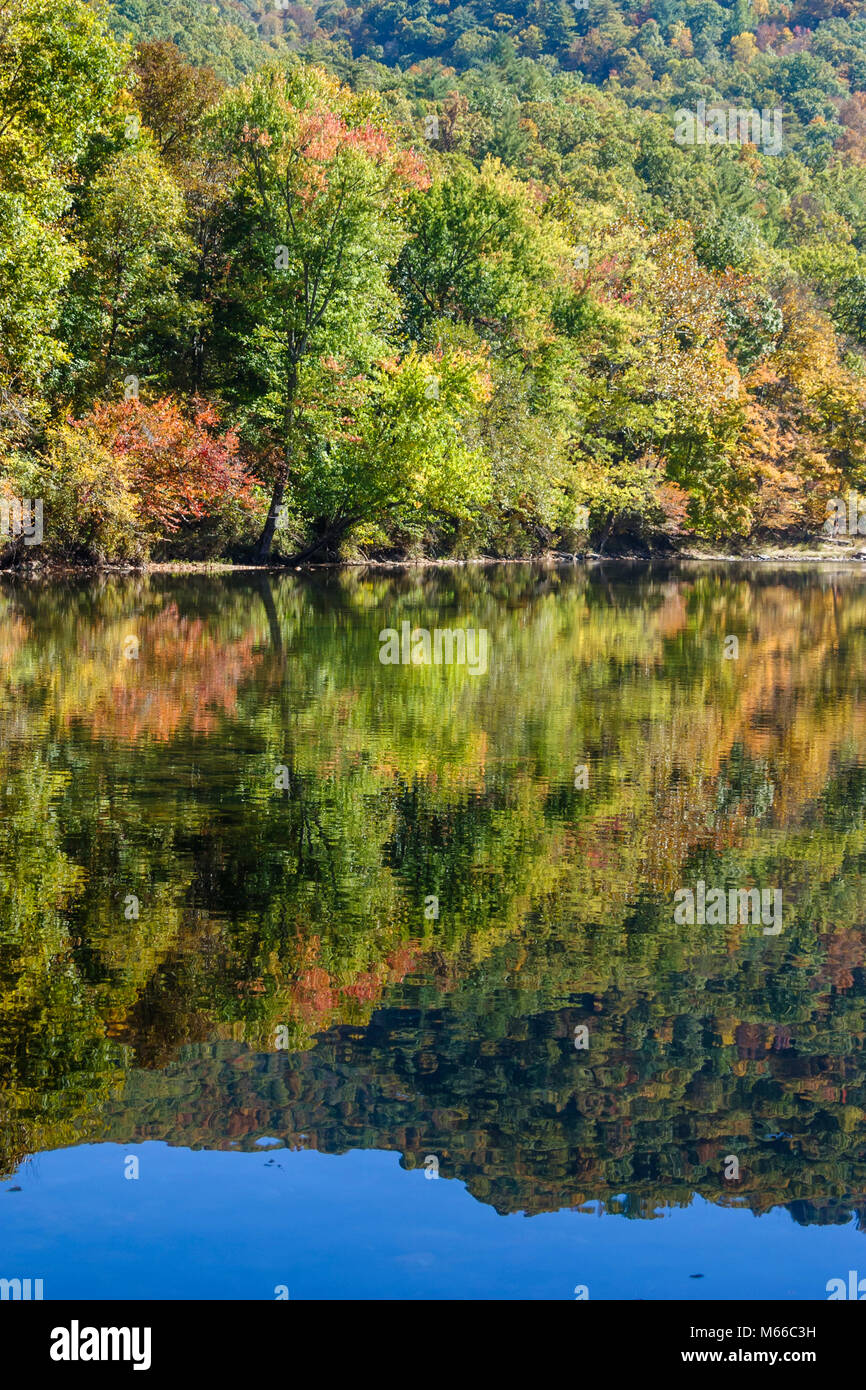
[[427, 278]]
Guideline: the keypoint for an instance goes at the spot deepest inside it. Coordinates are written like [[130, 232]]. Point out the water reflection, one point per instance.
[[253, 882]]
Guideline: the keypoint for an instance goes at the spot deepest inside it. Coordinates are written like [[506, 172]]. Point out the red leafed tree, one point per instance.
[[181, 467]]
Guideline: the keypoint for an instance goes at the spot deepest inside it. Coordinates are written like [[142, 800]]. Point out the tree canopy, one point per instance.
[[298, 219]]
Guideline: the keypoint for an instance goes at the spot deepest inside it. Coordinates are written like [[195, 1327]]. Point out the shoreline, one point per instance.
[[781, 555]]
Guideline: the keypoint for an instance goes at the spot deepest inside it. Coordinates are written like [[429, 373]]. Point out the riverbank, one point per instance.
[[816, 550]]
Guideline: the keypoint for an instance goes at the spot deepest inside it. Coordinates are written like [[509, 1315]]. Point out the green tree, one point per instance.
[[124, 300], [313, 231], [59, 76], [401, 454], [479, 254]]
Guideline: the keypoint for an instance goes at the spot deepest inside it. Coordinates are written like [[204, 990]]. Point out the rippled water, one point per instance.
[[322, 974]]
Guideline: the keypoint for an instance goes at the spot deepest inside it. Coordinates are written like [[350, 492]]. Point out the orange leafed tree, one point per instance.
[[181, 468]]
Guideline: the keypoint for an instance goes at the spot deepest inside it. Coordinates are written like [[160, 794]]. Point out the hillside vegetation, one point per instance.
[[403, 279]]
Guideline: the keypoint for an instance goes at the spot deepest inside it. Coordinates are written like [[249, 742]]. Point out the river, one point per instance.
[[329, 969]]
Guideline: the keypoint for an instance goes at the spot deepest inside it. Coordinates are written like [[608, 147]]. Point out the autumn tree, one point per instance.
[[129, 473], [313, 230], [396, 452], [173, 97]]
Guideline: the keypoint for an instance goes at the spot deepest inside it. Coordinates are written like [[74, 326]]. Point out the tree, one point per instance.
[[127, 474], [180, 469], [124, 301], [59, 75], [395, 452], [173, 97], [479, 254], [313, 230]]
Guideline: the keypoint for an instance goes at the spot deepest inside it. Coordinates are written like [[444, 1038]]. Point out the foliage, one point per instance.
[[184, 467], [312, 230], [672, 336], [91, 511], [59, 75], [125, 475]]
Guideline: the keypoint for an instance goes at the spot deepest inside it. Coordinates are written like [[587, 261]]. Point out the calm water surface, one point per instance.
[[364, 979]]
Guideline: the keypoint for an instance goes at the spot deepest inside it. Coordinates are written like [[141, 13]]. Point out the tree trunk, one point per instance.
[[606, 532], [334, 532], [262, 550]]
